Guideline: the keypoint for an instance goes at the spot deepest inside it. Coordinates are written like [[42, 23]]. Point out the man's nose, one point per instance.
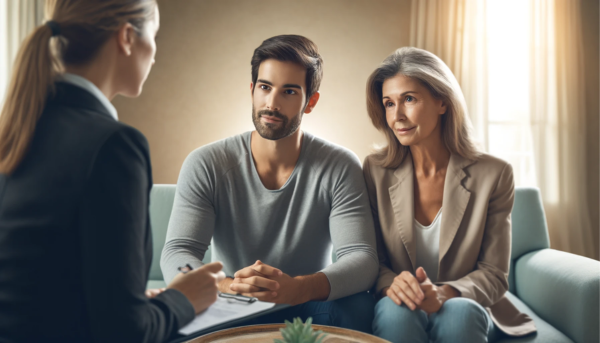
[[273, 102]]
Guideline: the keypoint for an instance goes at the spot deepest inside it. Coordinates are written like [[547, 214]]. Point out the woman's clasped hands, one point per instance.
[[418, 292]]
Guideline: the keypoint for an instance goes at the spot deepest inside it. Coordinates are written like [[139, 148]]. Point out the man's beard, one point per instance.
[[275, 131]]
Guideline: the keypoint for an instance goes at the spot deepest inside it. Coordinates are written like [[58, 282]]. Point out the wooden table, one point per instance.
[[269, 332]]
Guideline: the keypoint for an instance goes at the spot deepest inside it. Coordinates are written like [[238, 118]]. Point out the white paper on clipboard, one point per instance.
[[222, 311]]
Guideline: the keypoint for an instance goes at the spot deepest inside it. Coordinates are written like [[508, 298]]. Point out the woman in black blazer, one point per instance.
[[75, 239]]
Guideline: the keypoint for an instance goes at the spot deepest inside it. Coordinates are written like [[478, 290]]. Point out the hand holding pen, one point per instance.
[[236, 297], [199, 285]]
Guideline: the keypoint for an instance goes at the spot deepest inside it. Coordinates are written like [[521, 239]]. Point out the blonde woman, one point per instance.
[[441, 209], [75, 241]]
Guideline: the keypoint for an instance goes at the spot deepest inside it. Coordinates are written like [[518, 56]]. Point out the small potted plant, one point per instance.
[[299, 332]]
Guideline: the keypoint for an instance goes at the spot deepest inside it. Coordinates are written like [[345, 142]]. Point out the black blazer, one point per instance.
[[75, 239]]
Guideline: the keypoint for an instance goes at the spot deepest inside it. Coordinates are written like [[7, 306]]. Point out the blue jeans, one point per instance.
[[354, 312], [459, 320]]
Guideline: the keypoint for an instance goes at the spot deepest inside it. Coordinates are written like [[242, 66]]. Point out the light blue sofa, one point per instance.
[[560, 291]]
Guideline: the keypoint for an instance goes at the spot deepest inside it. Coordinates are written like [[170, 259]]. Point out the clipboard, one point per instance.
[[224, 313]]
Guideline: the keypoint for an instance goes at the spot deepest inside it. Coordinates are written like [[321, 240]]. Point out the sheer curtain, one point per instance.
[[455, 30], [17, 19], [536, 121], [558, 122]]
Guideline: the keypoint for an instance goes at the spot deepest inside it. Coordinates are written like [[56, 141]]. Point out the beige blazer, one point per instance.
[[475, 234]]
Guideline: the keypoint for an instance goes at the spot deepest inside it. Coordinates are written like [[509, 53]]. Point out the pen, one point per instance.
[[186, 268], [238, 297]]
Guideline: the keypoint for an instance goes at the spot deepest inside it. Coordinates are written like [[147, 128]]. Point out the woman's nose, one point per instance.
[[399, 113]]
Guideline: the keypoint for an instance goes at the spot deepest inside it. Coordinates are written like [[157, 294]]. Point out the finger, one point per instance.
[[246, 272], [409, 292], [394, 297], [412, 282], [262, 282], [266, 269], [399, 293], [220, 276], [262, 296], [406, 300], [421, 274], [151, 293], [244, 288], [212, 267]]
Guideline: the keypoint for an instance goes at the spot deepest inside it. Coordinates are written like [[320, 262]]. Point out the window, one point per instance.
[[509, 134], [4, 55]]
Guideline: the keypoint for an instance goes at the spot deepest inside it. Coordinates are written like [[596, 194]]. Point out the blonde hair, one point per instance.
[[431, 72], [84, 26]]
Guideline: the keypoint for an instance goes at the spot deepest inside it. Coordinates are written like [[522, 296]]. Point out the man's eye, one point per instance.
[[290, 91], [265, 87]]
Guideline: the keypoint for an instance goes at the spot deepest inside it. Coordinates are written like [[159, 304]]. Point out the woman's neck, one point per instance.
[[430, 156], [99, 71]]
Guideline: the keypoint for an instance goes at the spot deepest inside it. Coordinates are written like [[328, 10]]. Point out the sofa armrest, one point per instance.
[[563, 289]]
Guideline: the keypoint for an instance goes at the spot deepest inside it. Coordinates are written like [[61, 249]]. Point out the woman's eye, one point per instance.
[[389, 104], [290, 91], [410, 99]]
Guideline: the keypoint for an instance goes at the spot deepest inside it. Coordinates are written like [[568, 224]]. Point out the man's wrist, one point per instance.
[[314, 287]]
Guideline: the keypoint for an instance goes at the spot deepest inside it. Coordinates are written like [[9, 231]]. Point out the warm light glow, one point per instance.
[[4, 68], [509, 134]]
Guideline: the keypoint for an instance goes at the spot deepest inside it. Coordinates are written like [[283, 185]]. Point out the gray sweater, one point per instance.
[[323, 203]]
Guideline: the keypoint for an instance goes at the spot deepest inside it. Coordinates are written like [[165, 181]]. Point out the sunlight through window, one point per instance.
[[509, 134]]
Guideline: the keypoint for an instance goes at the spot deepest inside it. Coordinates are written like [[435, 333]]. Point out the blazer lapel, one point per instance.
[[402, 199], [455, 201]]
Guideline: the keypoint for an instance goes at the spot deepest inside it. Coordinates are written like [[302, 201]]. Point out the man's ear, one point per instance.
[[312, 102], [126, 38]]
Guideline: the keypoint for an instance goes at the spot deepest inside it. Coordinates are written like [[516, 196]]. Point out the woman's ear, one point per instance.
[[126, 38], [443, 107]]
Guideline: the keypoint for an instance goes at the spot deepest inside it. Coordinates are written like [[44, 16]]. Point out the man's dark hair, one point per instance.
[[291, 48]]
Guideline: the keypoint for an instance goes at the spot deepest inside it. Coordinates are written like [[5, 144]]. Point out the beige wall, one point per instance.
[[590, 14], [198, 91]]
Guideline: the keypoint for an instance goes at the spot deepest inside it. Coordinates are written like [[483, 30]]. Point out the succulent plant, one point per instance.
[[299, 332]]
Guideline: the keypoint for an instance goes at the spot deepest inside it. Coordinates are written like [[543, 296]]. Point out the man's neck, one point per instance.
[[282, 153], [275, 160]]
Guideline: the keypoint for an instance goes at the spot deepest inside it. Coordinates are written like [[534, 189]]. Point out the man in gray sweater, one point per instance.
[[274, 201]]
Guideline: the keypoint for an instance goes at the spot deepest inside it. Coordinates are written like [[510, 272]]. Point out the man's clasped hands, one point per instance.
[[265, 283]]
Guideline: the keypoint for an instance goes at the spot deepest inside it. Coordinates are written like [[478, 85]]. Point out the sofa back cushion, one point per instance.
[[161, 205], [529, 228]]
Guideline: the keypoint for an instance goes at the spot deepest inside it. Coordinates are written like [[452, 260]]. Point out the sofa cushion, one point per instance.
[[161, 204], [529, 229], [156, 284], [546, 333]]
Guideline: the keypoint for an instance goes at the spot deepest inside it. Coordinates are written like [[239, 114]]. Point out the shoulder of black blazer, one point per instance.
[[78, 124]]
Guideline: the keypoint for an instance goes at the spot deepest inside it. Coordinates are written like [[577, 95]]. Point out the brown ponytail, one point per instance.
[[32, 79], [85, 26]]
